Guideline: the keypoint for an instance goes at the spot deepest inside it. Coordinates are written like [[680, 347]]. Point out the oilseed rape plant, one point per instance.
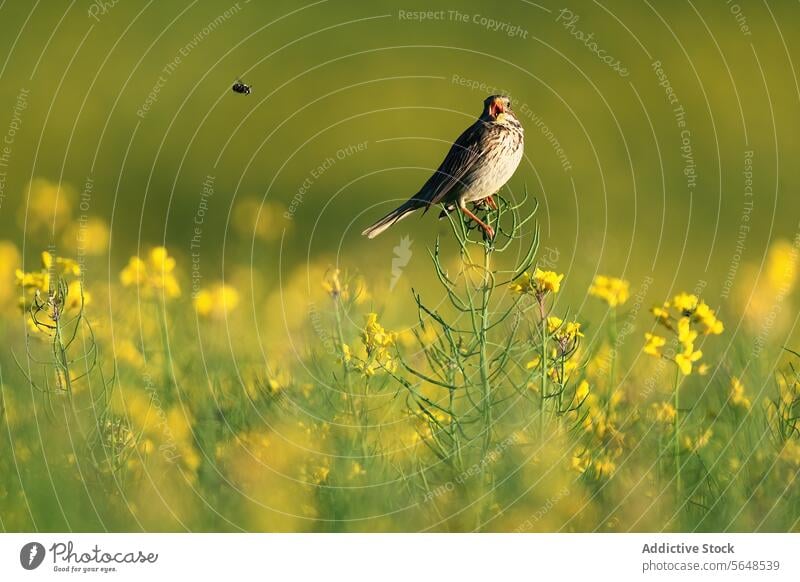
[[466, 406]]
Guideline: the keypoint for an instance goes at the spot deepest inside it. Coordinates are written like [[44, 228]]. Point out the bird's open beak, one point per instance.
[[496, 107]]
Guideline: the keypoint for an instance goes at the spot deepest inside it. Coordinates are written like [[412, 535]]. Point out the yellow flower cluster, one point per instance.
[[42, 290], [664, 413], [699, 442], [51, 267], [689, 313], [542, 283], [339, 290], [377, 342], [332, 285], [156, 274], [602, 465], [612, 290], [565, 334], [217, 301]]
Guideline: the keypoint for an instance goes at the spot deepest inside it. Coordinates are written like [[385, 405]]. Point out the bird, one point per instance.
[[479, 163]]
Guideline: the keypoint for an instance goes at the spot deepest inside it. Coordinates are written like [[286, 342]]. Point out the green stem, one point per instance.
[[542, 365], [677, 450], [167, 369], [486, 291], [613, 365], [349, 393]]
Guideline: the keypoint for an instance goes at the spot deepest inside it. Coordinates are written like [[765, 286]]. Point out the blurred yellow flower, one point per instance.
[[9, 259], [612, 290], [90, 236], [47, 205], [698, 442], [580, 460], [154, 275], [60, 266], [737, 395], [663, 412], [654, 344], [582, 391], [763, 287], [333, 286], [216, 302], [781, 269]]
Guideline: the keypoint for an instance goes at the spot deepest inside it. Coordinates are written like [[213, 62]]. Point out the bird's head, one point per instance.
[[497, 108]]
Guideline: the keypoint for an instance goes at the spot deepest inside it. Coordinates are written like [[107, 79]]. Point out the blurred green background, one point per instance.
[[329, 75]]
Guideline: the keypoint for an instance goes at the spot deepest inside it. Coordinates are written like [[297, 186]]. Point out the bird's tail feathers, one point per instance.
[[394, 216]]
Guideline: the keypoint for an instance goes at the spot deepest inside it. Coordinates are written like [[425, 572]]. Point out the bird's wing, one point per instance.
[[462, 156]]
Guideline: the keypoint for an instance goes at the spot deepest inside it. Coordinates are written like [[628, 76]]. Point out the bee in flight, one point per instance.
[[240, 87]]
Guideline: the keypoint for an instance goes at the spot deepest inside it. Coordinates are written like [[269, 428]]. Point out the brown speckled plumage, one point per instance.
[[479, 163]]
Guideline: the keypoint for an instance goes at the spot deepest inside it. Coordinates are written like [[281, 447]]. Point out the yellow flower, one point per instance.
[[533, 363], [781, 269], [580, 460], [737, 396], [356, 470], [74, 293], [662, 313], [39, 281], [562, 331], [154, 275], [9, 259], [582, 391], [88, 236], [686, 335], [706, 316], [612, 290], [49, 205], [553, 323], [685, 303], [686, 358], [217, 301], [522, 285], [59, 265], [604, 465], [699, 442], [654, 344], [333, 286], [664, 412], [134, 272], [378, 343], [547, 281], [542, 283]]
